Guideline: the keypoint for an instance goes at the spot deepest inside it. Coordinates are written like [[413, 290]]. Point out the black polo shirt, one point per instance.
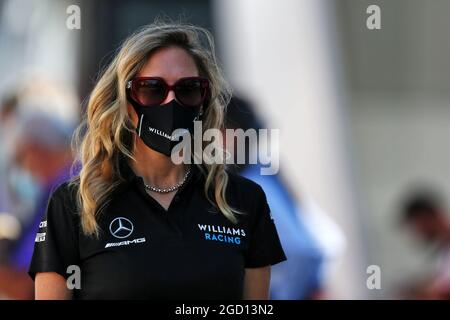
[[190, 251]]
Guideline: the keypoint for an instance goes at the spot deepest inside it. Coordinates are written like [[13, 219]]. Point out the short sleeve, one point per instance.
[[56, 245], [265, 246]]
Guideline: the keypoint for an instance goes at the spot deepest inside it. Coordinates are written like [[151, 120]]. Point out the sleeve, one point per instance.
[[264, 246], [55, 246]]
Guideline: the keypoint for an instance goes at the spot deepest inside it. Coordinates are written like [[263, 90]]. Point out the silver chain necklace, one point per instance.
[[168, 189]]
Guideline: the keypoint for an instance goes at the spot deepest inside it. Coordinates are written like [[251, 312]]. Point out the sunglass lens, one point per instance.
[[150, 92], [190, 92]]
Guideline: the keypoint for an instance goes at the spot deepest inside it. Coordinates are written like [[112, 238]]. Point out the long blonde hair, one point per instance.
[[106, 132]]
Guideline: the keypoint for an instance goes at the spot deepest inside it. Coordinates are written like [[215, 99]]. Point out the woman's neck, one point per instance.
[[155, 168]]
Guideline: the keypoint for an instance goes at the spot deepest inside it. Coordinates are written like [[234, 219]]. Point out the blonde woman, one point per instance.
[[135, 225]]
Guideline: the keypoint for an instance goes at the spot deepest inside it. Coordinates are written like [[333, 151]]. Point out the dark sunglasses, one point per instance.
[[152, 91]]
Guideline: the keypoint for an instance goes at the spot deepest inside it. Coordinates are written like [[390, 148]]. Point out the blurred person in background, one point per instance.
[[31, 95], [13, 283], [304, 229], [425, 216], [8, 124], [41, 160]]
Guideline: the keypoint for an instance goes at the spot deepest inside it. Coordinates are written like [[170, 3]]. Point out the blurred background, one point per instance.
[[361, 199]]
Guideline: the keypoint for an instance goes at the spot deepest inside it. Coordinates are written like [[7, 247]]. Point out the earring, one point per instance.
[[199, 116]]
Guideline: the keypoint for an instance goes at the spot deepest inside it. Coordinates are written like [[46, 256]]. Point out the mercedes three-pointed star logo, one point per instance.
[[121, 227]]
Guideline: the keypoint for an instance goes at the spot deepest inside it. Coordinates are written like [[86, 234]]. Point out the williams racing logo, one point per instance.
[[122, 228], [222, 234]]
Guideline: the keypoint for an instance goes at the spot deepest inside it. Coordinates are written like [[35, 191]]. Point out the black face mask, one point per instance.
[[157, 123]]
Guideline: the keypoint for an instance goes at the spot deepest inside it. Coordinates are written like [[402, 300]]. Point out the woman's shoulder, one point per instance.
[[246, 190], [242, 182], [64, 189], [64, 195]]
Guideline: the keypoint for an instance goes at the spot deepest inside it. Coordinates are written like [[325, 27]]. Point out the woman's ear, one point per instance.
[[132, 114]]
